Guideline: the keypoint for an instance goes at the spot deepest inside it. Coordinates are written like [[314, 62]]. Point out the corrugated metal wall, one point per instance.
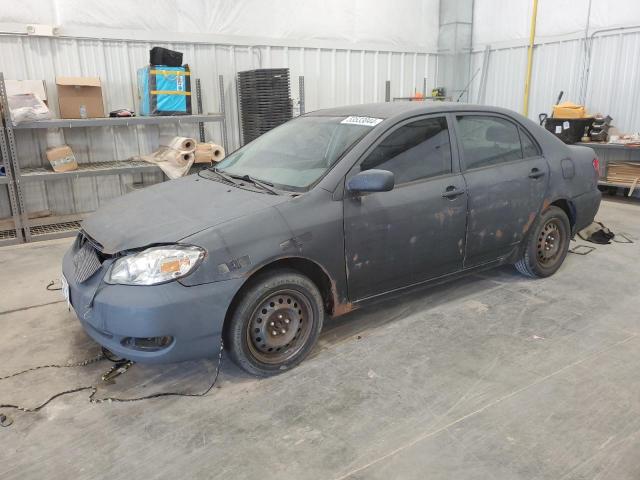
[[332, 77], [613, 77]]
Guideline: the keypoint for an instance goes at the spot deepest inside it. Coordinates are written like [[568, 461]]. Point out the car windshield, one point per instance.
[[296, 154]]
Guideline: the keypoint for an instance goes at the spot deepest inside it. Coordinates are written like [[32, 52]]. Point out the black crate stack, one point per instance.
[[265, 100]]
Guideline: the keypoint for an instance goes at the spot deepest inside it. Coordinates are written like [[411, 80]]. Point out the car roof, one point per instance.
[[395, 109]]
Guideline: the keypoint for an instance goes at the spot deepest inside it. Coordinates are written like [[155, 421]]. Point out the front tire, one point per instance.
[[276, 323], [546, 245]]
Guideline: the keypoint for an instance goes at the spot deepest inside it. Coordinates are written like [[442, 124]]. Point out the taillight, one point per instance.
[[596, 165]]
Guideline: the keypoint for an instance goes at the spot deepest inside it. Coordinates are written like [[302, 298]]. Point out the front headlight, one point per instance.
[[155, 265]]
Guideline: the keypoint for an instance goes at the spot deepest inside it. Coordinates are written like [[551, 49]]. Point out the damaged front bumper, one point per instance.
[[151, 324]]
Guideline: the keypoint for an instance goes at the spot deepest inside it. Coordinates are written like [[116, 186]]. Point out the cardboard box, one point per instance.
[[80, 97], [569, 110], [62, 159], [20, 87]]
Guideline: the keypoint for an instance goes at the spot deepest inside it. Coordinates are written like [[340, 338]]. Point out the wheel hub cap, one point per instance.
[[549, 242], [276, 323]]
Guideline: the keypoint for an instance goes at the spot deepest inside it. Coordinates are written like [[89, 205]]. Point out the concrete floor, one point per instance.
[[491, 377]]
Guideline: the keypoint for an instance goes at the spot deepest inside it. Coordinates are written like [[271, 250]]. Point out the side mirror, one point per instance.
[[371, 181]]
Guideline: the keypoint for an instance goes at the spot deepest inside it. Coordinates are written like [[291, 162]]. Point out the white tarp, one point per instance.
[[498, 21], [390, 22]]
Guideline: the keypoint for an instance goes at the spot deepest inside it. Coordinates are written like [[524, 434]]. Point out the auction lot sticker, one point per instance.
[[364, 121]]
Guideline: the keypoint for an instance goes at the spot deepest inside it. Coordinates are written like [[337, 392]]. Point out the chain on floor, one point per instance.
[[82, 363], [6, 421]]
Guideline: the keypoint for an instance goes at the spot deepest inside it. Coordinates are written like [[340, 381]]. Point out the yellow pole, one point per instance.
[[532, 37]]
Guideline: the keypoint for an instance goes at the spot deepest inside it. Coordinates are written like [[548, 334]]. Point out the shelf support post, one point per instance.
[[223, 110], [12, 170]]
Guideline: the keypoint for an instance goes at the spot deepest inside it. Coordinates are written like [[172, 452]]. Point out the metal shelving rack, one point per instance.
[[7, 150], [117, 122], [27, 229], [610, 153]]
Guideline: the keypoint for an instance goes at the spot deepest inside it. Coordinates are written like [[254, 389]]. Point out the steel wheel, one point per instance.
[[545, 247], [276, 322], [550, 242], [280, 326]]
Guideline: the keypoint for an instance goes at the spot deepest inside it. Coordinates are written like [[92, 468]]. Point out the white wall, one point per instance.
[[499, 22], [400, 23], [609, 83]]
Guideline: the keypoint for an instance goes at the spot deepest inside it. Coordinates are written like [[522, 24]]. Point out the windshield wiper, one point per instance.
[[223, 175], [247, 178], [262, 184]]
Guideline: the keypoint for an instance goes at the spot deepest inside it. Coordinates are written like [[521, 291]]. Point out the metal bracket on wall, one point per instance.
[[387, 91], [223, 110], [199, 106], [9, 156], [301, 93]]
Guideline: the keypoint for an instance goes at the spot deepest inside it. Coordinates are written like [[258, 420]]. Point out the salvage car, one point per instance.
[[319, 216]]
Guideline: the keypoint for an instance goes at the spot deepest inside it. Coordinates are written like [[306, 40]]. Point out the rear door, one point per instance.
[[412, 233], [506, 179]]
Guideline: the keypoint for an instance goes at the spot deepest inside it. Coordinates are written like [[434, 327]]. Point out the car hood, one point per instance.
[[171, 211]]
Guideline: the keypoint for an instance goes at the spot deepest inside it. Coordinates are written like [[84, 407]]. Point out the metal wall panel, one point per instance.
[[614, 80], [332, 77], [613, 77]]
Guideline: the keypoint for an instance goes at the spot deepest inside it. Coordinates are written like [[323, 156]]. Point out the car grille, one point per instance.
[[85, 260]]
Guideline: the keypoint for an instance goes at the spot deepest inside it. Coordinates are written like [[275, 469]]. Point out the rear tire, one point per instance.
[[276, 323], [546, 245]]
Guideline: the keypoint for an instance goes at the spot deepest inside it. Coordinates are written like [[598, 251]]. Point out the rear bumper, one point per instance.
[[192, 316], [586, 208]]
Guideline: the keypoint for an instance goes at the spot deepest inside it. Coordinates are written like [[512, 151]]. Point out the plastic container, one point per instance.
[[569, 130], [164, 90], [164, 56]]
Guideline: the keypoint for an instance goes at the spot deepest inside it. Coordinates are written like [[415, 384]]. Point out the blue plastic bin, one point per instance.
[[164, 90]]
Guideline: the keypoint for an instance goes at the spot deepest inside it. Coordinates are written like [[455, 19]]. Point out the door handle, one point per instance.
[[536, 173], [452, 192]]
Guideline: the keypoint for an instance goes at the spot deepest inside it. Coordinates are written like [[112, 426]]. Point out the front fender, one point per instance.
[[309, 228], [236, 248]]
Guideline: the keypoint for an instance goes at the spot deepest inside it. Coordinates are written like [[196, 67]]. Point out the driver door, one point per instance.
[[415, 231]]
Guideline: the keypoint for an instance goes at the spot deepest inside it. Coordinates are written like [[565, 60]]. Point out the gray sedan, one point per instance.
[[320, 216]]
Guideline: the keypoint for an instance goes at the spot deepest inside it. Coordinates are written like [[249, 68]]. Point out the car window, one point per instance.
[[414, 151], [488, 140], [529, 149]]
